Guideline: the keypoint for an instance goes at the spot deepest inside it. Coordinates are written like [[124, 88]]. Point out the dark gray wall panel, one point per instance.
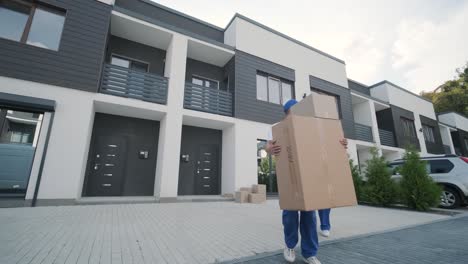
[[458, 138], [205, 70], [346, 107], [358, 87], [229, 72], [123, 47], [437, 147], [26, 103], [401, 140], [172, 17], [245, 97], [78, 62]]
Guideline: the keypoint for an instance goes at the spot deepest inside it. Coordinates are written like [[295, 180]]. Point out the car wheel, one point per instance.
[[449, 199]]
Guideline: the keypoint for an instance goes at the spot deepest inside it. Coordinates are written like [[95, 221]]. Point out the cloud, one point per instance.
[[427, 53]]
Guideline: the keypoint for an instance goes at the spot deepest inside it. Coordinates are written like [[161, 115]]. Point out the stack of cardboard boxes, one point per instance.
[[313, 169], [255, 194]]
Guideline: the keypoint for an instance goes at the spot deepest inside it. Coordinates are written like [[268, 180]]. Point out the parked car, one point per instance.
[[449, 171]]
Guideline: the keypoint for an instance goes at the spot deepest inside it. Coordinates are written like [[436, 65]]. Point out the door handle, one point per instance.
[[185, 157], [96, 166]]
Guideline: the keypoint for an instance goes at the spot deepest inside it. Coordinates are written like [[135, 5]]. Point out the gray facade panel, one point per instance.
[[153, 56], [172, 17], [246, 105], [358, 87], [346, 107], [436, 147], [401, 140], [78, 62]]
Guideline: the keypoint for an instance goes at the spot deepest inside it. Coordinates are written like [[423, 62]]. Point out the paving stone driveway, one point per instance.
[[167, 233], [441, 242]]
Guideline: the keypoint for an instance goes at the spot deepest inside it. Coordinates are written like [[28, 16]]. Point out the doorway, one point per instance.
[[122, 157], [199, 170]]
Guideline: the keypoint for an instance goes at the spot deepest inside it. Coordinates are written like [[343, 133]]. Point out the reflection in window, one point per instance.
[[273, 90], [428, 133], [262, 88], [31, 23], [408, 127], [46, 29], [266, 168], [19, 134]]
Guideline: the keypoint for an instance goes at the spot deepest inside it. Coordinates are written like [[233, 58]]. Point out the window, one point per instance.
[[205, 82], [428, 132], [273, 90], [337, 99], [129, 63], [440, 166], [31, 23], [466, 143], [408, 127]]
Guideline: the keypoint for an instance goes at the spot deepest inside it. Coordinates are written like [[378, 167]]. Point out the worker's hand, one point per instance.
[[344, 142], [272, 148]]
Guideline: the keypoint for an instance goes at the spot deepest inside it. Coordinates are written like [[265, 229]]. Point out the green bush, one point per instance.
[[380, 189], [357, 180], [418, 190]]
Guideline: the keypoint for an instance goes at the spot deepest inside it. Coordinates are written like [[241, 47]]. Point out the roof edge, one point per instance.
[[452, 112], [399, 87], [237, 15]]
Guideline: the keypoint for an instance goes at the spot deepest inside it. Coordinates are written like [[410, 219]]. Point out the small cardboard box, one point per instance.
[[246, 189], [257, 198], [242, 197], [312, 169], [259, 188]]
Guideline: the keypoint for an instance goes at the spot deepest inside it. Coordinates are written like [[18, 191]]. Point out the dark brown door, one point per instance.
[[206, 174], [107, 166]]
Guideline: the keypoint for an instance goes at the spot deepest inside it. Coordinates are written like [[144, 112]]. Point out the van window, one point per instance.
[[440, 166]]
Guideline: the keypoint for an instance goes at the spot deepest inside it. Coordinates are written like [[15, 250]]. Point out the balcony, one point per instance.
[[129, 83], [208, 100], [387, 138], [363, 132]]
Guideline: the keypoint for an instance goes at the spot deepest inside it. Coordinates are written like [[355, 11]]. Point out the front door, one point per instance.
[[122, 157], [107, 166], [199, 170], [206, 175]]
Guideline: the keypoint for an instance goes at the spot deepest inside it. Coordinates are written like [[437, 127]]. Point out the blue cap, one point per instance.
[[289, 104]]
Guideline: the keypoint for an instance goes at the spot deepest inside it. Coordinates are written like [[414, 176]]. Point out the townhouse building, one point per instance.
[[131, 99]]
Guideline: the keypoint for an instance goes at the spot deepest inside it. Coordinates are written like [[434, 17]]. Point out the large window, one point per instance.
[[202, 81], [19, 135], [428, 132], [273, 90], [129, 63], [408, 127], [31, 23]]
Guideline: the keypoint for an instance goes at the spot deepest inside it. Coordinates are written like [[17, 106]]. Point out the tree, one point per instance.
[[356, 180], [380, 189], [452, 95], [418, 190]]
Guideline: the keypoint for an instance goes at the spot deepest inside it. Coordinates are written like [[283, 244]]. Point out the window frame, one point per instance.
[[404, 120], [280, 81], [204, 79], [130, 59], [33, 5], [432, 133]]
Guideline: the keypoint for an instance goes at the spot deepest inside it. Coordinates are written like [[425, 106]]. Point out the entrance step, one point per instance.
[[116, 200]]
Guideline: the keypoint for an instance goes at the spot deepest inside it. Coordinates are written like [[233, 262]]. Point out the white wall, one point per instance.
[[454, 120], [260, 42], [380, 92], [447, 137]]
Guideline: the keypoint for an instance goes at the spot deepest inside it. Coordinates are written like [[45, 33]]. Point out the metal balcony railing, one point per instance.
[[207, 99], [363, 132], [387, 138], [129, 83]]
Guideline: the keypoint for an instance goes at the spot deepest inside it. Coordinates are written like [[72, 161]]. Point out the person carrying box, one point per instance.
[[305, 221]]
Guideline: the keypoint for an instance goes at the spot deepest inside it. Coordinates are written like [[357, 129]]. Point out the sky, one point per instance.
[[416, 44]]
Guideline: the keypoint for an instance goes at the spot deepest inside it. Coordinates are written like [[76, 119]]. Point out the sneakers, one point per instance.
[[312, 260], [289, 255], [325, 233]]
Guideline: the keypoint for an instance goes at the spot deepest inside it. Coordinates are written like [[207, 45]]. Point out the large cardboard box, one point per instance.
[[317, 105], [259, 188], [313, 169]]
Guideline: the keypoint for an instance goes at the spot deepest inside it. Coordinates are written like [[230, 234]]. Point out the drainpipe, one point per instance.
[[41, 167]]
